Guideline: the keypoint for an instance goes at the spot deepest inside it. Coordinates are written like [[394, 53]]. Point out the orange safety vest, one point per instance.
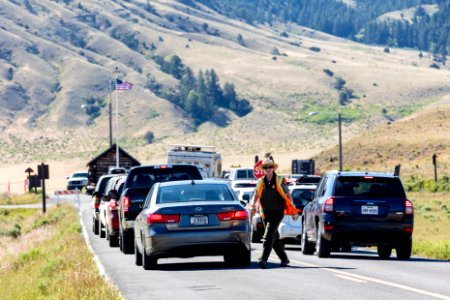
[[289, 208]]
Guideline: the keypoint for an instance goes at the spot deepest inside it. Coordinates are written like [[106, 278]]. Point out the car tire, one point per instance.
[[127, 242], [148, 262], [101, 229], [245, 259], [137, 256], [384, 251], [256, 237], [404, 250], [307, 246], [95, 226], [323, 246], [108, 235], [113, 240]]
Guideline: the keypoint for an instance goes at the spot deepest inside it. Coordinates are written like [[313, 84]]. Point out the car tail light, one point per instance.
[[113, 205], [241, 215], [125, 203], [232, 215], [299, 210], [408, 229], [160, 218], [409, 210], [96, 201], [328, 205]]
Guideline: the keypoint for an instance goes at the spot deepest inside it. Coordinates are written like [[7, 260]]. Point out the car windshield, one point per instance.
[[146, 178], [301, 197], [245, 185], [194, 192], [78, 175], [369, 186]]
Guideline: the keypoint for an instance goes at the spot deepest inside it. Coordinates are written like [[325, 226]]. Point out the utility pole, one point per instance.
[[340, 143], [116, 71], [110, 113]]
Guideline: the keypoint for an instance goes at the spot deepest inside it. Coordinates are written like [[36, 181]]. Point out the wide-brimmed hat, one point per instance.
[[268, 162]]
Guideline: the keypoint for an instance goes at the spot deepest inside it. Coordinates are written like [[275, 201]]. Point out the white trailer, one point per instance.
[[208, 161]]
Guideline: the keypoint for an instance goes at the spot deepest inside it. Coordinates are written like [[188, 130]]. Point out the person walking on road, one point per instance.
[[273, 200]]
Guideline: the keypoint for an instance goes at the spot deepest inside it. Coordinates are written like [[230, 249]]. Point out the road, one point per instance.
[[356, 275]]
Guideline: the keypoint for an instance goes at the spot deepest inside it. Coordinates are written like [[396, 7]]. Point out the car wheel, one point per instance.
[[307, 246], [256, 237], [95, 226], [245, 258], [128, 242], [148, 262], [113, 240], [101, 229], [404, 249], [384, 251], [323, 246], [137, 256], [108, 235]]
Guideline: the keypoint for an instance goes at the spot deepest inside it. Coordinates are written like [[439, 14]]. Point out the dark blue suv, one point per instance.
[[358, 208]]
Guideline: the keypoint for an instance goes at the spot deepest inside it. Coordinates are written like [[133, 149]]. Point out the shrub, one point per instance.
[[315, 49], [328, 72], [149, 137]]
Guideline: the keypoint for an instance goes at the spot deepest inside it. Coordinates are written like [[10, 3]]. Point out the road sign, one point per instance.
[[257, 171]]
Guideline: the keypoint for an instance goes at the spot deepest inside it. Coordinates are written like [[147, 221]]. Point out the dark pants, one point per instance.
[[272, 220]]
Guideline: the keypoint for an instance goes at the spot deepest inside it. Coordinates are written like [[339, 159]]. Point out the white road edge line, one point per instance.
[[350, 278], [100, 267], [379, 281]]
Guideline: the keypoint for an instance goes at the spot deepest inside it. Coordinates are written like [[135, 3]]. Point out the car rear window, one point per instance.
[[245, 185], [194, 192], [146, 177], [244, 174], [301, 197], [369, 186]]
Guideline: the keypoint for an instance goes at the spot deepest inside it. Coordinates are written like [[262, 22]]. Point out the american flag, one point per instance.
[[123, 85]]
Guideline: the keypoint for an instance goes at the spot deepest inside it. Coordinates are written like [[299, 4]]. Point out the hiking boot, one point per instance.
[[262, 264], [284, 263]]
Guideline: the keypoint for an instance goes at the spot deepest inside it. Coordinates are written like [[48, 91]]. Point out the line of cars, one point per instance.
[[163, 211]]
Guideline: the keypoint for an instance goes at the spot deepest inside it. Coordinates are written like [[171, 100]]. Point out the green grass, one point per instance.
[[14, 199], [59, 267], [431, 236]]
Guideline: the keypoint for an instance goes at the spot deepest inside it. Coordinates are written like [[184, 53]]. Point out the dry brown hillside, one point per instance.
[[410, 142], [55, 55]]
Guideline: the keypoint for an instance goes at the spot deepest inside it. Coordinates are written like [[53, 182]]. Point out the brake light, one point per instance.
[[232, 215], [226, 216], [125, 203], [299, 210], [113, 205], [240, 215], [328, 205], [96, 201], [368, 177], [160, 218], [409, 210]]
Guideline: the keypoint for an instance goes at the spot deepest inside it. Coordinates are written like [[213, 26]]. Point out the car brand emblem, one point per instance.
[[198, 209]]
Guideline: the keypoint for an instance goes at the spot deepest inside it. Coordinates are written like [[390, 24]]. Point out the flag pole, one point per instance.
[[117, 122]]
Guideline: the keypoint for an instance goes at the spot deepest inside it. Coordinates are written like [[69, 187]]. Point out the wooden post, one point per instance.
[[435, 167]]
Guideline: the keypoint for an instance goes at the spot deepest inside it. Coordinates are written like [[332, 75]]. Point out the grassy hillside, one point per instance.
[[410, 142], [56, 56]]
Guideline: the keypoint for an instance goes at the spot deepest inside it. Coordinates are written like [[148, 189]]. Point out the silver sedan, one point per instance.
[[192, 218]]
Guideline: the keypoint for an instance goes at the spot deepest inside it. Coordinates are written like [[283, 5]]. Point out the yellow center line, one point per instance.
[[370, 279]]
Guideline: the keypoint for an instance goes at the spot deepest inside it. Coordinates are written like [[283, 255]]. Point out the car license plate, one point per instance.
[[369, 210], [199, 220]]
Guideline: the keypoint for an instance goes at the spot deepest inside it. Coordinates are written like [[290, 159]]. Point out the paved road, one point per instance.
[[357, 275]]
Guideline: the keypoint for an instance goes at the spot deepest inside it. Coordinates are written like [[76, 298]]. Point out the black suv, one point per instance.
[[139, 181], [358, 208]]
